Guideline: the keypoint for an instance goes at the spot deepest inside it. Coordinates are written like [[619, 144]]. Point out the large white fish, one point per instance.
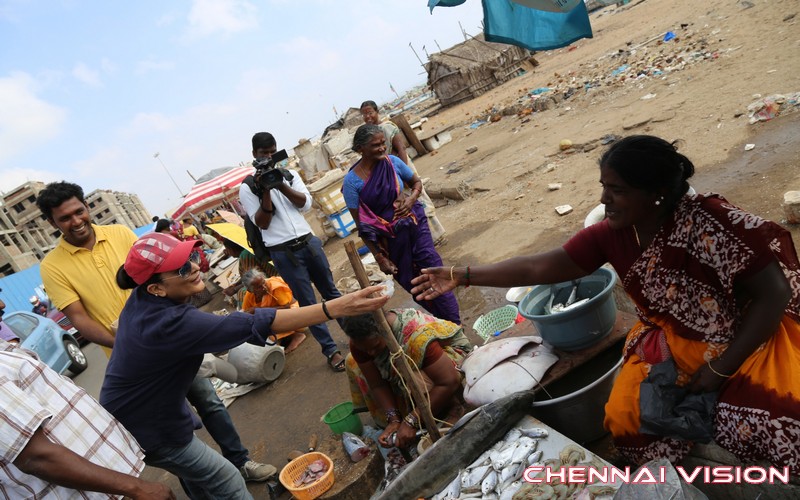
[[452, 492], [519, 373], [484, 358]]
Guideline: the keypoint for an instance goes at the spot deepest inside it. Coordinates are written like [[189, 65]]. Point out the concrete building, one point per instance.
[[114, 207]]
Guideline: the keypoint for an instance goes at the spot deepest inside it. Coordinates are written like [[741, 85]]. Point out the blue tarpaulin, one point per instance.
[[509, 22]]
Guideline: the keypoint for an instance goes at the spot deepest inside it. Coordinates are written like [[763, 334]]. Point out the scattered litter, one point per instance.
[[564, 144], [767, 108], [519, 197], [540, 90], [647, 96], [608, 139], [471, 149], [563, 209], [554, 186], [668, 36], [477, 123], [748, 147], [620, 70]]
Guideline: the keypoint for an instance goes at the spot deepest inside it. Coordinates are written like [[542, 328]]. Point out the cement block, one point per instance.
[[791, 206]]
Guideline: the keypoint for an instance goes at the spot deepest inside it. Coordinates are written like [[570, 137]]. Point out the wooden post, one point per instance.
[[402, 124], [417, 394]]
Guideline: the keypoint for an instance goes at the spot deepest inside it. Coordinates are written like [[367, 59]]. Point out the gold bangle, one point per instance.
[[451, 273], [715, 371]]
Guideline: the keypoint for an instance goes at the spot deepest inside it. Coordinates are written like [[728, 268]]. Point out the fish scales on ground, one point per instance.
[[466, 441]]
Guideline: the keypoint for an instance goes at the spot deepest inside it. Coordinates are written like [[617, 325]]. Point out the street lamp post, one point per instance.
[[157, 156]]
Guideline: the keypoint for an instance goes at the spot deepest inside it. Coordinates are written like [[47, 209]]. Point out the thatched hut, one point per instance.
[[470, 68]]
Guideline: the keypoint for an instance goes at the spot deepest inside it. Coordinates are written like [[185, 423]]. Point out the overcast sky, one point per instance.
[[90, 90]]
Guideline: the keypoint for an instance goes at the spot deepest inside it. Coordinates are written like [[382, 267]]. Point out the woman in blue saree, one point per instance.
[[391, 222]]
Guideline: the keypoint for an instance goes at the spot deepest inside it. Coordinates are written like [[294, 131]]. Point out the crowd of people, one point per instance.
[[717, 290]]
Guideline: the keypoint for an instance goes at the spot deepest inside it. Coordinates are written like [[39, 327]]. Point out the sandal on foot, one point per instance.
[[338, 367]]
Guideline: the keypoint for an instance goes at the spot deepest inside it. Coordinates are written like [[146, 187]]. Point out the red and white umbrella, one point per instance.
[[211, 190]]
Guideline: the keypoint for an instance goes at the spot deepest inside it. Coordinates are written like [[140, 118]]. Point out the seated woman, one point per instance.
[[247, 261], [435, 346], [392, 223], [717, 292], [271, 292], [159, 347]]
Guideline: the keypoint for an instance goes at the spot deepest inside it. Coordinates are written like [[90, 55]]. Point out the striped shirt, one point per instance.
[[35, 396]]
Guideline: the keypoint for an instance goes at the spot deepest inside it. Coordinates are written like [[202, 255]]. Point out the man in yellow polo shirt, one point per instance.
[[79, 275]]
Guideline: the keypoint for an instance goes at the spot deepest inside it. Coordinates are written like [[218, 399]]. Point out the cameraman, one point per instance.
[[296, 253]]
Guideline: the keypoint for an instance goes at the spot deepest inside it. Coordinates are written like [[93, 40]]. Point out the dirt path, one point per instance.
[[724, 54]]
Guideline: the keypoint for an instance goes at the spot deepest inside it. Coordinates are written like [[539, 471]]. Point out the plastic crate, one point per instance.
[[343, 223], [295, 469], [497, 320]]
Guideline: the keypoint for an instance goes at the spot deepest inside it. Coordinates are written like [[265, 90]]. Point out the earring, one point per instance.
[[658, 201]]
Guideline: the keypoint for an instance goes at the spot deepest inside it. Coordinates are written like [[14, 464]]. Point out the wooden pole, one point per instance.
[[402, 124], [417, 394]]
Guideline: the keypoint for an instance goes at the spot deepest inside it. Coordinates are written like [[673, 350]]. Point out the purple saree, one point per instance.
[[406, 240]]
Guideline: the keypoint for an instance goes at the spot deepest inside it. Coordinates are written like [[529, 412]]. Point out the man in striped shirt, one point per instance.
[[56, 441]]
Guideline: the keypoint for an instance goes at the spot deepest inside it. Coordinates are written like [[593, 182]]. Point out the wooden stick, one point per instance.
[[417, 394], [402, 124]]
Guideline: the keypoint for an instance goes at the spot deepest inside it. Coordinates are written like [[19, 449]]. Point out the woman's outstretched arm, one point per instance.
[[548, 267]]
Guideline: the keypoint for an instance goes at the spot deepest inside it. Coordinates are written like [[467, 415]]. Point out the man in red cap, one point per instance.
[[80, 277]]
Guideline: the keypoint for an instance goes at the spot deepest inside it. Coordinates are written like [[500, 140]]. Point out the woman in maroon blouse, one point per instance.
[[717, 291]]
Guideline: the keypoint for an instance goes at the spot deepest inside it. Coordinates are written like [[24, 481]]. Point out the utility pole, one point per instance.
[[157, 156]]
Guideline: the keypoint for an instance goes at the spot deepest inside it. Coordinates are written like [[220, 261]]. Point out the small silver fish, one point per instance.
[[472, 478], [534, 457], [489, 483], [451, 492], [534, 432]]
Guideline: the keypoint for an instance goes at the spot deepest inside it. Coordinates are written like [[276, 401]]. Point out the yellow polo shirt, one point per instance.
[[71, 273]]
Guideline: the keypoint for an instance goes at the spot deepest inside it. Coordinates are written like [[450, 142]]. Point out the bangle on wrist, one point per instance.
[[393, 415], [325, 310], [412, 420], [716, 372]]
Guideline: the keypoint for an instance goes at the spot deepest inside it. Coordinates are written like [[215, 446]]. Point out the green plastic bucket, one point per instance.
[[341, 419]]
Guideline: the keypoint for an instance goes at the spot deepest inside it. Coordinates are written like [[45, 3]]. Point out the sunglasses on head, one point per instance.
[[186, 269]]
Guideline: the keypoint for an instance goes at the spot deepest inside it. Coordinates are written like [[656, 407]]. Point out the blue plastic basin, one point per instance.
[[582, 326]]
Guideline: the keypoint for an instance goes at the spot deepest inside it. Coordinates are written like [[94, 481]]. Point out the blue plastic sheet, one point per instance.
[[444, 3], [508, 22]]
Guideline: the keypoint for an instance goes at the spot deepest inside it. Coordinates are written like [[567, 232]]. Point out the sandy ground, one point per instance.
[[725, 55]]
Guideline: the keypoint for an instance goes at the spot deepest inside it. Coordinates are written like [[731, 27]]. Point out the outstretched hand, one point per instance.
[[359, 302], [432, 282]]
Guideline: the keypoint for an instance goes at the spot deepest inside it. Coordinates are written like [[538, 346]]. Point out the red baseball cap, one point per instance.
[[156, 253]]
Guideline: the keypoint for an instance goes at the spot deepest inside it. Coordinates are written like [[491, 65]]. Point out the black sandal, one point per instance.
[[338, 367]]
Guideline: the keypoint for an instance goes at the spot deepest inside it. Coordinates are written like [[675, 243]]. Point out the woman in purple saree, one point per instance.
[[392, 223]]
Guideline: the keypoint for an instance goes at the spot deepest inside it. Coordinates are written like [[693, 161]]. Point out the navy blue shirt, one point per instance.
[[157, 351]]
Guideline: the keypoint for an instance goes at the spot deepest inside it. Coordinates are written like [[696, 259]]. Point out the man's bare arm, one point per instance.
[[59, 465], [90, 329]]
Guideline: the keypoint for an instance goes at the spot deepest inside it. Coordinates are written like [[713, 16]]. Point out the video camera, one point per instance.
[[267, 175]]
